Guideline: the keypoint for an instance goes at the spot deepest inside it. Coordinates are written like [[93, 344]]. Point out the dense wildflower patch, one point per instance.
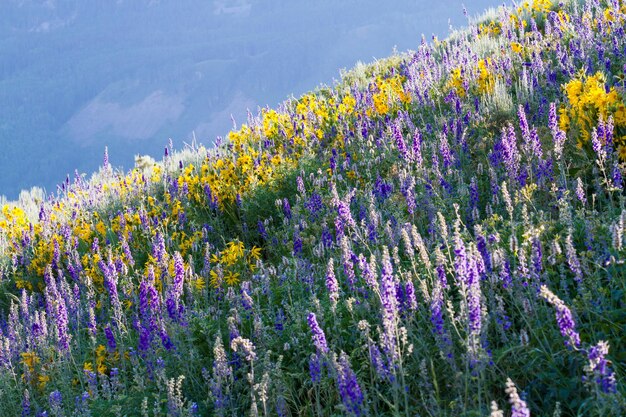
[[440, 233]]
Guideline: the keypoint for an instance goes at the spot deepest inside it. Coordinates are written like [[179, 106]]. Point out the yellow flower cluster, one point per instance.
[[587, 102], [231, 261], [101, 356], [489, 29], [486, 80], [516, 47], [347, 105], [275, 123], [484, 76], [259, 154], [456, 82], [251, 157], [388, 93], [537, 6], [13, 221], [36, 374]]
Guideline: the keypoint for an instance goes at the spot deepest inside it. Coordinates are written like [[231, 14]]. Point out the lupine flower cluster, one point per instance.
[[391, 245]]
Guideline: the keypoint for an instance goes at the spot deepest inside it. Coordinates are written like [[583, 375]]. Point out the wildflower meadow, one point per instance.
[[440, 233]]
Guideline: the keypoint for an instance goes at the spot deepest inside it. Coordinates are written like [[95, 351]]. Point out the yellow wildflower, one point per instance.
[[255, 252], [231, 278], [199, 283], [42, 380], [30, 359]]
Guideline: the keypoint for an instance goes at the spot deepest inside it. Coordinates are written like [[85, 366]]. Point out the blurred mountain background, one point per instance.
[[79, 75]]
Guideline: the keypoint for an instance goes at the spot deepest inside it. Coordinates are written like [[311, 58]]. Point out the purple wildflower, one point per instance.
[[417, 148], [436, 309], [331, 283], [319, 339], [165, 339], [523, 123], [174, 307], [389, 305], [368, 271], [348, 264], [145, 337], [110, 338], [56, 403], [315, 368], [580, 191], [397, 135], [597, 146], [572, 259], [110, 280], [598, 371], [408, 186], [444, 150], [314, 205], [286, 209], [246, 347], [349, 389], [343, 209], [510, 152], [617, 177], [26, 404], [518, 406], [557, 134], [382, 190], [300, 185], [411, 299], [62, 329], [297, 244], [481, 245], [564, 317], [537, 257], [378, 363], [158, 250], [127, 252]]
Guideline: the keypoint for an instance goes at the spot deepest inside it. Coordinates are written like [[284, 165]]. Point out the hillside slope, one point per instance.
[[76, 76], [441, 233]]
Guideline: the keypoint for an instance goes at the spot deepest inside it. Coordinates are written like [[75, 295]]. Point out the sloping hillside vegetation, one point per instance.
[[439, 234]]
